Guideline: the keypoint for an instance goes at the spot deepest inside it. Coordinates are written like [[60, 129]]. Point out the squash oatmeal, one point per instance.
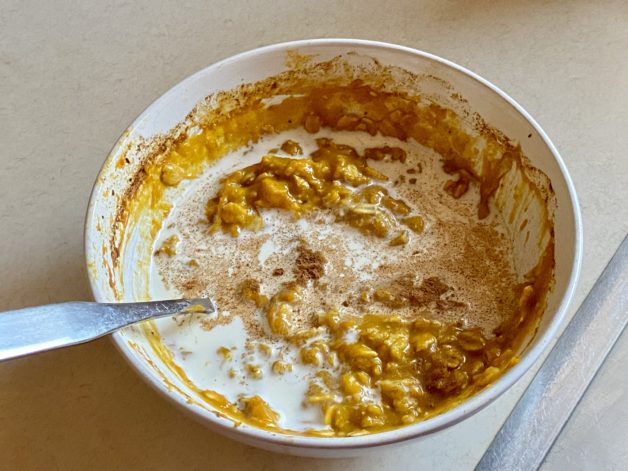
[[357, 243]]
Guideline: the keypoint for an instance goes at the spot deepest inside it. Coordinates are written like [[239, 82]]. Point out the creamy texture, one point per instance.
[[472, 202], [471, 256]]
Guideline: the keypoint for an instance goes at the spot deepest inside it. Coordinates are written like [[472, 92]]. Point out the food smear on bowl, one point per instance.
[[362, 244]]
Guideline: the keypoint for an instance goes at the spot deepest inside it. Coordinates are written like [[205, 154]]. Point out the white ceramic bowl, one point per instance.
[[498, 110]]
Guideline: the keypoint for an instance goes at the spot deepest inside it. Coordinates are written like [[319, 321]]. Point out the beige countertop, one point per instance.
[[73, 75]]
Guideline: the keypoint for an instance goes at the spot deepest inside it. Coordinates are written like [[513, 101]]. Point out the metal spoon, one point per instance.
[[41, 328]]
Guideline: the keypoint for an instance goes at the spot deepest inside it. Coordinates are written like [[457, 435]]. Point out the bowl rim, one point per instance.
[[408, 432]]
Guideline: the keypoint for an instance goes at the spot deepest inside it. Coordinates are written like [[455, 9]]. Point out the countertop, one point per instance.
[[73, 75]]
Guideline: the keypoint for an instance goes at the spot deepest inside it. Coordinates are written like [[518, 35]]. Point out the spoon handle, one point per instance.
[[40, 328]]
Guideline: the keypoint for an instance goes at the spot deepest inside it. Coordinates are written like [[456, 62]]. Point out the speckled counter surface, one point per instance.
[[74, 75]]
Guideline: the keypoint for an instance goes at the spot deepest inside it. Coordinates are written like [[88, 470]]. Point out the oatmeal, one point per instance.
[[352, 236]]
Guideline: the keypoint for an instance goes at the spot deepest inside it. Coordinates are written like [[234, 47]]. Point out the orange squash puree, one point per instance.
[[420, 368], [323, 180]]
